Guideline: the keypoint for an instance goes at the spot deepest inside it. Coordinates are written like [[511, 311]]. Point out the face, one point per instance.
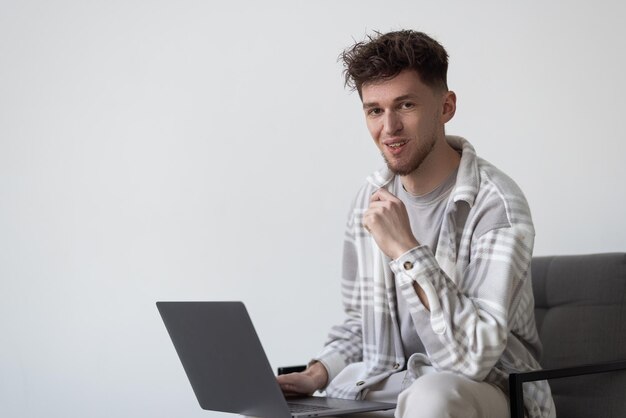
[[406, 119]]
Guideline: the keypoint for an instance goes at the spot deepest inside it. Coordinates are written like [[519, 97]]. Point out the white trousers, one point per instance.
[[438, 395]]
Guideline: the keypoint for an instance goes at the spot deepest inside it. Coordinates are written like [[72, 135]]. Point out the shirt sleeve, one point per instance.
[[467, 327], [345, 342]]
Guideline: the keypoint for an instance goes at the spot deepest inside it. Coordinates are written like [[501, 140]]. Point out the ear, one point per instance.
[[449, 106]]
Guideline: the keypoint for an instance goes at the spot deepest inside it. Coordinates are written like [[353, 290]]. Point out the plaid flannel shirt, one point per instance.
[[481, 321]]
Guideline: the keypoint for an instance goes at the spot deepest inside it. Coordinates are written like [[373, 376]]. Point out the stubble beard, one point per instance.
[[421, 153]]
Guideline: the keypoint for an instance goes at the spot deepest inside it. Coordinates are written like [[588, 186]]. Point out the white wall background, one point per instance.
[[198, 150]]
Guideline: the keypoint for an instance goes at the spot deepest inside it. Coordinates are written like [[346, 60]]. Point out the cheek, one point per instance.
[[425, 126]]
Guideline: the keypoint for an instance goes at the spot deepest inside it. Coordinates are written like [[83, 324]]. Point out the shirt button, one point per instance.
[[360, 383], [407, 265], [396, 365]]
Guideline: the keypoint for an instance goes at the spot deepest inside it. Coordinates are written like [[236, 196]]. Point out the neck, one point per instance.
[[438, 165]]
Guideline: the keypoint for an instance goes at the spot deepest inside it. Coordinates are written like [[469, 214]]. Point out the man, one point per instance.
[[436, 275]]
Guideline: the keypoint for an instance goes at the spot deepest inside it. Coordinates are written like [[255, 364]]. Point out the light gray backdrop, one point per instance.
[[202, 150]]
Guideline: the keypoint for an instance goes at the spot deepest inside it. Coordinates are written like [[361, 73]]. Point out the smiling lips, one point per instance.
[[395, 146]]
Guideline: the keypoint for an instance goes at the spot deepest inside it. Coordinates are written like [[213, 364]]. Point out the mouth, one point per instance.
[[395, 146]]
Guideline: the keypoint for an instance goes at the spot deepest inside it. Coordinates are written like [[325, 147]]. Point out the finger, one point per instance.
[[288, 379], [386, 194], [289, 388], [378, 204], [368, 218], [294, 389], [382, 195], [375, 196], [289, 393], [374, 213]]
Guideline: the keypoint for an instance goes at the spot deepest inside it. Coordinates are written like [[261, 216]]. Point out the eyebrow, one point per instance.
[[369, 105]]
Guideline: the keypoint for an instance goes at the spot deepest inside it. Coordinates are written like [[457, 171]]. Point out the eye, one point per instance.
[[374, 111], [407, 105]]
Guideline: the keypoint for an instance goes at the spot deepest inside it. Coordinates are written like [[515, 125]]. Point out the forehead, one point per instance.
[[408, 82]]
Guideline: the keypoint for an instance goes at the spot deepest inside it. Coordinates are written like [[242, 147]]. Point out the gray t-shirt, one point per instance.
[[426, 214]]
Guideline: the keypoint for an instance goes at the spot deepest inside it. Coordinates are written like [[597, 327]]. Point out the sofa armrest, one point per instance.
[[291, 369], [517, 379]]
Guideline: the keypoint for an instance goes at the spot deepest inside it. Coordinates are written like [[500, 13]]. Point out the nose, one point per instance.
[[393, 123]]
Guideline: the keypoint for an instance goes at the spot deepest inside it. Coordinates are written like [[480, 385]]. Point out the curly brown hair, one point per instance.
[[383, 56]]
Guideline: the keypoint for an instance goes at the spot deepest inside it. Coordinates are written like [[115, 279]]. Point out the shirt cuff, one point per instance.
[[333, 362], [419, 265]]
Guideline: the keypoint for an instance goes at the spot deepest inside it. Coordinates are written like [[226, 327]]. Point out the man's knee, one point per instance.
[[446, 395], [425, 398]]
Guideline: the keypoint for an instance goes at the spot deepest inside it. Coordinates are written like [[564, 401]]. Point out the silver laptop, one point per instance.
[[227, 367]]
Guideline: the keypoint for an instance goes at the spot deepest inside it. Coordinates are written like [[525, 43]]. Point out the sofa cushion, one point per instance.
[[581, 318]]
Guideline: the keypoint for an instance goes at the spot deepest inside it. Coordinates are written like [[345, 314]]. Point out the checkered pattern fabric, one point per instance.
[[481, 322]]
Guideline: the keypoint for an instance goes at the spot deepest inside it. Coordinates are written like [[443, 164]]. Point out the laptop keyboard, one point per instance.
[[298, 407]]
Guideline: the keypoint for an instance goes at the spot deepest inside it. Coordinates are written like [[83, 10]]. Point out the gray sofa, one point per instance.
[[580, 308]]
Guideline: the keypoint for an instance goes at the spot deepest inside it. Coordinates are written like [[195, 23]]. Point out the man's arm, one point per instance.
[[344, 343], [388, 222], [467, 328], [464, 329]]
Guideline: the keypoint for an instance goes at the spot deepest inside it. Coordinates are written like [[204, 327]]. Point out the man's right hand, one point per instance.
[[305, 383]]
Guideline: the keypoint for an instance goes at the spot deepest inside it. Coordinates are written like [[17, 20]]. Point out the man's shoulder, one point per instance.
[[495, 181], [498, 192], [492, 179], [478, 178]]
